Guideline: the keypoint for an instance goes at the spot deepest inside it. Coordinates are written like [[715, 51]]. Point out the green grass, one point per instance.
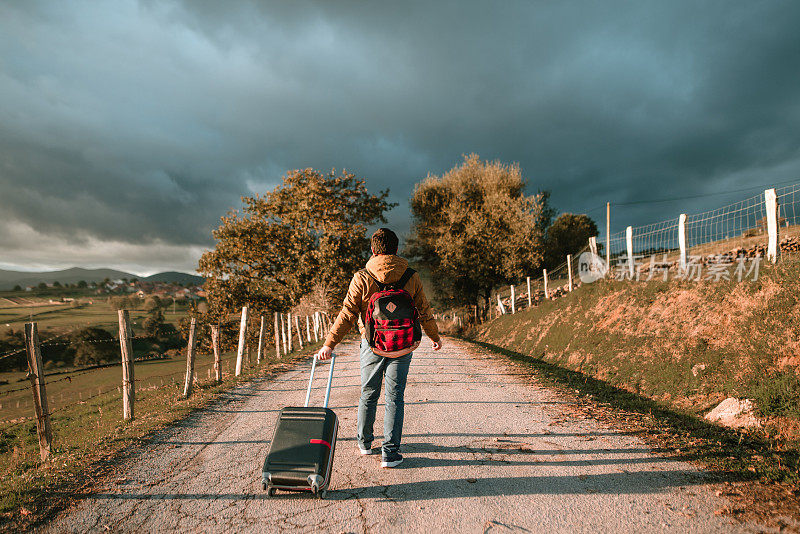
[[65, 388], [58, 318]]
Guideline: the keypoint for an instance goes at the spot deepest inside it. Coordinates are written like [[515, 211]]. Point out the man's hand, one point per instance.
[[436, 345], [325, 353]]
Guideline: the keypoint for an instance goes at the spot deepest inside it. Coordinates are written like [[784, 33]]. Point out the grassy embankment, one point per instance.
[[676, 349], [89, 435]]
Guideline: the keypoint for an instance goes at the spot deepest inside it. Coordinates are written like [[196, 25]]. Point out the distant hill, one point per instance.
[[9, 279], [175, 277]]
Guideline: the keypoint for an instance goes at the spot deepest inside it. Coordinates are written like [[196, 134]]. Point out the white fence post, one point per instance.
[[260, 340], [283, 335], [629, 243], [530, 302], [289, 331], [277, 337], [513, 301], [544, 275], [500, 305], [569, 270], [682, 240], [593, 245], [242, 341], [299, 332], [771, 208]]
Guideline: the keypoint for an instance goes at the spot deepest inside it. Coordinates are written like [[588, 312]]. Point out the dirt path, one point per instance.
[[485, 452]]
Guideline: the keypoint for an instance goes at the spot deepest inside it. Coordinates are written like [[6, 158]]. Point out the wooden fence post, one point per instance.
[[128, 380], [500, 305], [289, 331], [36, 376], [283, 336], [299, 333], [260, 341], [773, 222], [242, 341], [187, 385], [308, 329], [513, 301], [682, 241], [277, 337], [544, 274], [569, 270], [530, 301], [215, 346], [629, 246]]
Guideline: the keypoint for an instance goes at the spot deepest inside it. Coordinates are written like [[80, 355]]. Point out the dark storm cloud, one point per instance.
[[144, 122]]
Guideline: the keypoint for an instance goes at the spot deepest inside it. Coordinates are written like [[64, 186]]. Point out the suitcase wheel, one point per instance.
[[270, 492], [264, 486], [322, 494]]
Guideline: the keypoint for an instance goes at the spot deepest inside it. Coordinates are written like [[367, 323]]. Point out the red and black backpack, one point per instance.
[[392, 321]]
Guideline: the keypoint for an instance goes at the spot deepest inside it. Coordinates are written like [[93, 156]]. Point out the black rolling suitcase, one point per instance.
[[301, 453]]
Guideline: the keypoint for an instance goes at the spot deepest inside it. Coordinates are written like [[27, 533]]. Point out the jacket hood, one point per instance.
[[387, 268]]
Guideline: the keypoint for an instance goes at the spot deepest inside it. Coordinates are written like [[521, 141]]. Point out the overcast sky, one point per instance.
[[128, 128]]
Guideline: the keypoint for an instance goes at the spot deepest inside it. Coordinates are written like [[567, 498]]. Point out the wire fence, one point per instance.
[[739, 228], [64, 390], [735, 231]]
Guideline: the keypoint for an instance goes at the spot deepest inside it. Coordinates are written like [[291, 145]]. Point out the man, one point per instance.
[[387, 268]]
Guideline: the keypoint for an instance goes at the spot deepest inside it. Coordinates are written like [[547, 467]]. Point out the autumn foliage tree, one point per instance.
[[475, 228], [568, 234], [309, 230]]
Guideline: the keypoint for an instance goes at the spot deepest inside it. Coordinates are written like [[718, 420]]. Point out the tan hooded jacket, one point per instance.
[[387, 268]]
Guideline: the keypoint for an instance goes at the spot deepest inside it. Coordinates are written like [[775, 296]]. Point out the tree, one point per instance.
[[56, 284], [82, 284], [568, 234], [312, 228], [91, 346], [42, 285], [17, 287], [475, 228], [118, 303], [157, 327], [152, 303]]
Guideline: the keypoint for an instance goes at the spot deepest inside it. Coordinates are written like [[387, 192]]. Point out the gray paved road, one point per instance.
[[485, 452]]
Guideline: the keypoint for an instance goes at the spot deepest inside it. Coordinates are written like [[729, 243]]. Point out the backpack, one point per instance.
[[392, 321]]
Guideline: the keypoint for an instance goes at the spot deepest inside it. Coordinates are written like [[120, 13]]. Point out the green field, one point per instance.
[[67, 388], [59, 318]]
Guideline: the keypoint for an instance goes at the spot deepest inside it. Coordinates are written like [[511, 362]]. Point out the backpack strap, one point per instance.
[[400, 284]]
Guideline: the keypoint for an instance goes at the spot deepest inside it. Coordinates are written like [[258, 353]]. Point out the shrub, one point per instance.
[[91, 346], [778, 394]]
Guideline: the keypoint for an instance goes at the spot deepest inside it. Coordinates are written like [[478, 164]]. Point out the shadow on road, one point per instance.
[[725, 452], [609, 483]]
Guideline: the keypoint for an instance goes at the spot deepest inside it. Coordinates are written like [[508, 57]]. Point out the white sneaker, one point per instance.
[[367, 452], [392, 461]]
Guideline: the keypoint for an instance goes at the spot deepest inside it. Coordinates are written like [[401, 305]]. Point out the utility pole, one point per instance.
[[608, 236]]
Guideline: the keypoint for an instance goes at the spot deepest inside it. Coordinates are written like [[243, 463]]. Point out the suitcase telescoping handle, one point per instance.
[[311, 379]]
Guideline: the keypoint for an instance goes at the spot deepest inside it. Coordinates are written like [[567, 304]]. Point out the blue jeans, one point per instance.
[[373, 370]]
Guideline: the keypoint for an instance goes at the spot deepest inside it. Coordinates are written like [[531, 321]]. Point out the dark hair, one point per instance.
[[384, 241]]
